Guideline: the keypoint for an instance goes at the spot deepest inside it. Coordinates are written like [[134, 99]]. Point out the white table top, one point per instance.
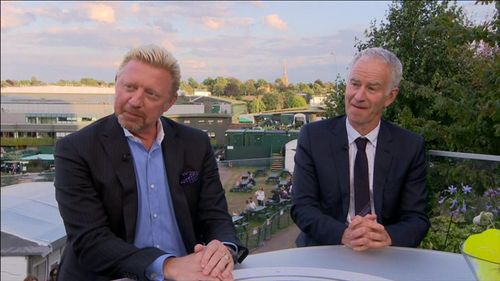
[[392, 263]]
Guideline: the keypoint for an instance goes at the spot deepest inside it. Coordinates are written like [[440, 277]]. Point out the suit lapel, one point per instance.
[[340, 155], [173, 154], [382, 165], [115, 144]]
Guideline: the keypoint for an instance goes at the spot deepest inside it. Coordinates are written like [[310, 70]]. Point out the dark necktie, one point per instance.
[[361, 182]]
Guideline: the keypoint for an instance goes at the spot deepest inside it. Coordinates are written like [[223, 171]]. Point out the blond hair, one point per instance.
[[155, 56]]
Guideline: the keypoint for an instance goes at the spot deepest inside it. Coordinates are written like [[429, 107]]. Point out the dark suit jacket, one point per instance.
[[97, 196], [321, 183]]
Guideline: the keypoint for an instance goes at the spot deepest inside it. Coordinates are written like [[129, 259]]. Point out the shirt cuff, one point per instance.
[[232, 245], [154, 272]]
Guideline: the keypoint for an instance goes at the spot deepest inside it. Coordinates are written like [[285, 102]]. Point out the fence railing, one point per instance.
[[253, 236]]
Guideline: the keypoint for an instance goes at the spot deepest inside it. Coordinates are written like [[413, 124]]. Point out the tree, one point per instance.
[[273, 101], [249, 88], [296, 101], [256, 105], [449, 91], [233, 88], [219, 85], [186, 88], [193, 83]]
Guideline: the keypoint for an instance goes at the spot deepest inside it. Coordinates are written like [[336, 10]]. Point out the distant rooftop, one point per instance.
[[52, 89]]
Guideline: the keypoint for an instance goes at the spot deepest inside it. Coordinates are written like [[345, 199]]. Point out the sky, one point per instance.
[[246, 40]]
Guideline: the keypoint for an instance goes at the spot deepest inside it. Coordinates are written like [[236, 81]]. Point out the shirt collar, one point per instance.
[[352, 134], [160, 134]]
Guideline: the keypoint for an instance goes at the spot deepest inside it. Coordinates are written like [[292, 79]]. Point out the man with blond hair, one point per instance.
[[139, 194]]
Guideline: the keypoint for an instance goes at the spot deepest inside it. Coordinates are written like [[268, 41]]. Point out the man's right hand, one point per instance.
[[365, 233], [186, 268]]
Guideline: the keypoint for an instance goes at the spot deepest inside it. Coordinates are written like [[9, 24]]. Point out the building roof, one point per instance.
[[43, 157], [30, 219]]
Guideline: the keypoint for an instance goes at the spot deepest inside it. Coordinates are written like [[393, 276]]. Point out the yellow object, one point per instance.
[[482, 252]]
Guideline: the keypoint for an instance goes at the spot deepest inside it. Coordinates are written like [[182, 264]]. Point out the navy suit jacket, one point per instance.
[[321, 184], [97, 196]]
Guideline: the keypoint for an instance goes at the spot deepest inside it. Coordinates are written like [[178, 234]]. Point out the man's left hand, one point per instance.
[[216, 260], [369, 233]]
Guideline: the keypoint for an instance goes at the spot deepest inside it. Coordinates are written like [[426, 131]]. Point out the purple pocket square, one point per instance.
[[189, 177]]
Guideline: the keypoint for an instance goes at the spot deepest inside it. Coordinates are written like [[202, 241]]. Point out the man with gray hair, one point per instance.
[[359, 180], [139, 194]]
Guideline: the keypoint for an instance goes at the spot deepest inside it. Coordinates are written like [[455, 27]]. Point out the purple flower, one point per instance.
[[466, 189], [453, 203], [452, 189], [464, 207], [488, 206]]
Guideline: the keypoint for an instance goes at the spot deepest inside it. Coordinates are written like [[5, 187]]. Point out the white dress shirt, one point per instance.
[[371, 146]]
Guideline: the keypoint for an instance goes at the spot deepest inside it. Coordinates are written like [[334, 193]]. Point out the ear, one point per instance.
[[391, 96]]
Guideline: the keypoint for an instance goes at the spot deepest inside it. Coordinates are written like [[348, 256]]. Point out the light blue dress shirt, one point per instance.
[[156, 223]]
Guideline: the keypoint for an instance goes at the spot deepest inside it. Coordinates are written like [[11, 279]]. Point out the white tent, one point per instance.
[[33, 234], [290, 154]]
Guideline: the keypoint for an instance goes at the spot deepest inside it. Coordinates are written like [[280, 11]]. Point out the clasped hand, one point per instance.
[[210, 262], [365, 233]]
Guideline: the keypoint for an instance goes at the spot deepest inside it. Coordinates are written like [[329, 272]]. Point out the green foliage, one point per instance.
[[273, 101], [296, 101], [335, 100], [450, 68], [23, 142], [256, 105]]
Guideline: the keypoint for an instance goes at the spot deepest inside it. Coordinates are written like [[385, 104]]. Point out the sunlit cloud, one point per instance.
[[216, 24], [13, 17], [101, 13], [168, 45], [212, 23], [135, 8], [274, 21]]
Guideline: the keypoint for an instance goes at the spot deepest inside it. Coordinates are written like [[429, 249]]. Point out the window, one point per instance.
[[201, 121], [187, 121], [87, 119], [31, 120], [62, 134], [220, 121]]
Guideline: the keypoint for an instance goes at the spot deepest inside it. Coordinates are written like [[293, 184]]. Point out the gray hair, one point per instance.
[[155, 56], [388, 57]]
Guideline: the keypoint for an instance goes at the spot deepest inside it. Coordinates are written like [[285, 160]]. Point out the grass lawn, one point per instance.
[[236, 200]]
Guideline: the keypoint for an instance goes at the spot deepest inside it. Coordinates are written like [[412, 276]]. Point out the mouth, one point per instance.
[[358, 106], [132, 114]]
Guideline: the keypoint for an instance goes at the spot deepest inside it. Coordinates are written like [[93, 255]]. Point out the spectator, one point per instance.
[[250, 205], [53, 272], [30, 278], [261, 196]]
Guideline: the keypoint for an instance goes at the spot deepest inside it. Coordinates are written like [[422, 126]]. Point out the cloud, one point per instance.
[[274, 21], [135, 8], [168, 45], [101, 13], [212, 23], [13, 17], [258, 4], [194, 64], [216, 24]]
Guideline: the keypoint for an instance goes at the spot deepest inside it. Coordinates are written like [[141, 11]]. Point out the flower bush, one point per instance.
[[460, 212]]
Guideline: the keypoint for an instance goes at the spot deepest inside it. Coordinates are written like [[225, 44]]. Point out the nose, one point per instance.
[[137, 98], [360, 94]]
